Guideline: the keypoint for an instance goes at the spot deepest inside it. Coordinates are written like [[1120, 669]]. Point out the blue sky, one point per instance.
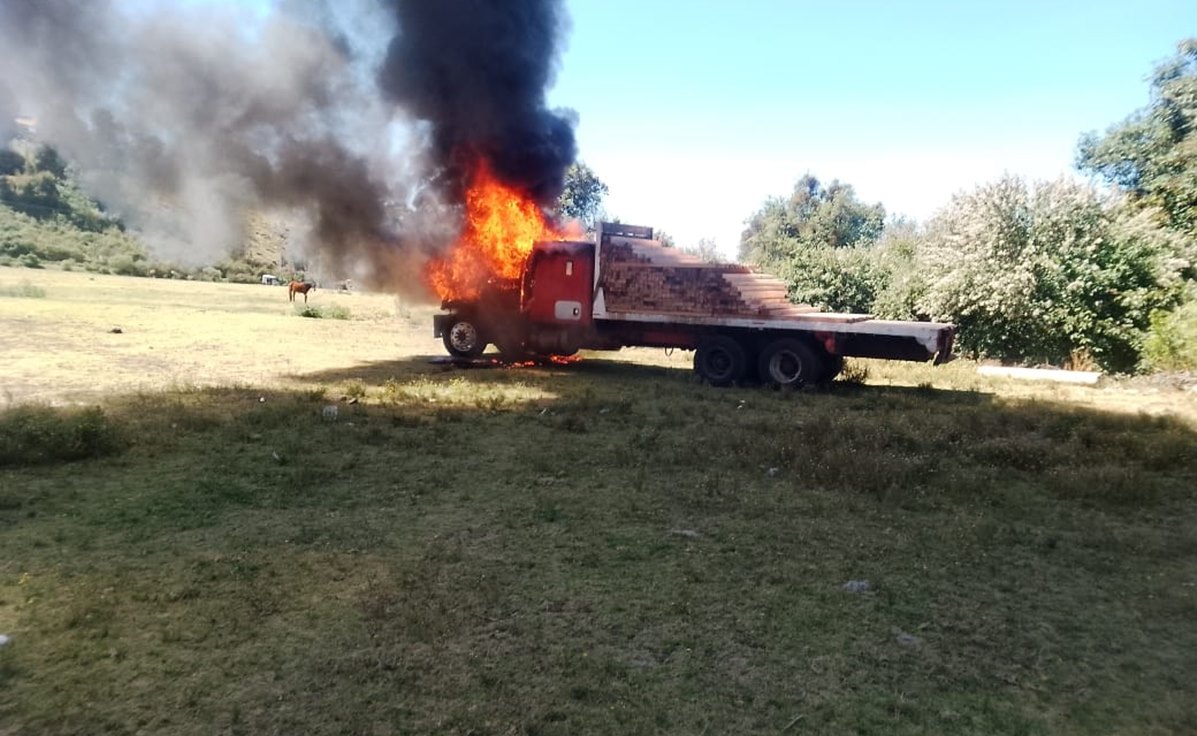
[[695, 111]]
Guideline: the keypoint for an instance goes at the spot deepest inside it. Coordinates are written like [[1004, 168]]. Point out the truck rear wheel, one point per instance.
[[464, 339], [789, 363], [720, 360]]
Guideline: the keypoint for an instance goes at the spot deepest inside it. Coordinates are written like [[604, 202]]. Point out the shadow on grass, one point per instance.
[[490, 369], [892, 441], [487, 368], [537, 549], [901, 443]]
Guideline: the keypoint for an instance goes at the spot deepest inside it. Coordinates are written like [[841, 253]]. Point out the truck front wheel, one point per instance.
[[789, 363], [464, 339], [720, 360]]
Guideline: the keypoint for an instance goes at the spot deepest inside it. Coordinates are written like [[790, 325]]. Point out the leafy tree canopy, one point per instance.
[[813, 215], [1152, 155], [706, 249], [582, 198]]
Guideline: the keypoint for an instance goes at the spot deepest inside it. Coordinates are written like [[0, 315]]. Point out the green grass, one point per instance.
[[31, 435], [603, 548]]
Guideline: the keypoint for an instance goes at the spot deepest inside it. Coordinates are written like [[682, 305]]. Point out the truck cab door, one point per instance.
[[560, 284]]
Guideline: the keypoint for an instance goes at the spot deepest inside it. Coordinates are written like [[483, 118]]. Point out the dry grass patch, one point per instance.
[[62, 348]]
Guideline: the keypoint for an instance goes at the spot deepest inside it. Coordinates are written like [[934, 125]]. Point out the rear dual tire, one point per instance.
[[786, 362], [790, 363], [720, 360]]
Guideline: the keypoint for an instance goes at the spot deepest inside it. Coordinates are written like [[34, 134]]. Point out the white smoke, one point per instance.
[[184, 118]]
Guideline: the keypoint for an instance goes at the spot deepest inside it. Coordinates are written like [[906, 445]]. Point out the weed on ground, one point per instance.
[[32, 435], [331, 311], [25, 290]]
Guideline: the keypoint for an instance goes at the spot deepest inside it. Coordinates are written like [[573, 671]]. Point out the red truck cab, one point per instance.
[[547, 312], [558, 286]]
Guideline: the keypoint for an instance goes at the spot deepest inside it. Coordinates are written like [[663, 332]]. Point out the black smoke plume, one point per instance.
[[477, 70], [356, 119]]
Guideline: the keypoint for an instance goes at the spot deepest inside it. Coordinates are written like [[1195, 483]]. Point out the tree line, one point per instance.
[[1099, 274], [1066, 273], [1061, 272]]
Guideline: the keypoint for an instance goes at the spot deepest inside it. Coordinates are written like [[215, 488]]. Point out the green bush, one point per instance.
[[124, 264], [881, 278], [822, 241], [245, 270], [1044, 273], [331, 311], [845, 279], [1171, 343], [906, 283], [39, 435], [24, 289], [60, 240]]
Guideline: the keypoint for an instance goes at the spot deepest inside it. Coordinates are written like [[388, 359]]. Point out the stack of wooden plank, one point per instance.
[[639, 275]]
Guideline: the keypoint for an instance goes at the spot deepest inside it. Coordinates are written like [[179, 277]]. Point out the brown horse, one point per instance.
[[299, 287]]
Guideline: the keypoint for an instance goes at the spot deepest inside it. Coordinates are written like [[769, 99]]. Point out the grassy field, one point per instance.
[[193, 542]]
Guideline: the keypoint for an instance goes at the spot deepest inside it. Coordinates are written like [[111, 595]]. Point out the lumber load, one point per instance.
[[640, 275]]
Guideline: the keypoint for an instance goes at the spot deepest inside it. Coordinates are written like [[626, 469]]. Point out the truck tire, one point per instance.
[[464, 338], [720, 360], [789, 363]]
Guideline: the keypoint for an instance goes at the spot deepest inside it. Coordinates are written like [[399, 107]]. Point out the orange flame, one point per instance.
[[501, 227], [540, 362]]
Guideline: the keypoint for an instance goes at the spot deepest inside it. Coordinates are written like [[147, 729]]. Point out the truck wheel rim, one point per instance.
[[719, 363], [785, 367], [463, 336]]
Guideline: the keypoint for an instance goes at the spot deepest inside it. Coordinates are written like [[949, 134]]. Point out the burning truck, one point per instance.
[[515, 282], [470, 78]]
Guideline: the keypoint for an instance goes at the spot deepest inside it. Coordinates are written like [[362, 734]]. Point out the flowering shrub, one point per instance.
[[1043, 273]]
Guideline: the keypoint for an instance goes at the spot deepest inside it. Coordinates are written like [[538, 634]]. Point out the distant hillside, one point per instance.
[[266, 239], [47, 221]]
